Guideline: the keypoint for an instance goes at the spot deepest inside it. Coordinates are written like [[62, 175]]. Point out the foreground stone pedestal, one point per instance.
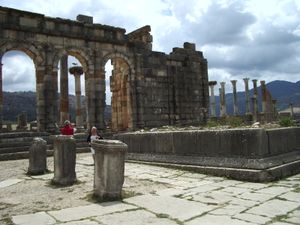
[[37, 157], [64, 160], [109, 169]]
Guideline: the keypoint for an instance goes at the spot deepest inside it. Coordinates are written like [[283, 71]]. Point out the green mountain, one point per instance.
[[16, 102]]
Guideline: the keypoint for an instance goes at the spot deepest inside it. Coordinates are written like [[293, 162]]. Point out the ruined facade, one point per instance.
[[148, 88]]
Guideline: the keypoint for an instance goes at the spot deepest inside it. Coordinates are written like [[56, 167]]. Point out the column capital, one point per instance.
[[233, 82], [212, 83], [76, 70]]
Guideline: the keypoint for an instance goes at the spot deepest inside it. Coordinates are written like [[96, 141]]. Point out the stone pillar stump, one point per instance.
[[64, 160], [109, 169], [37, 157]]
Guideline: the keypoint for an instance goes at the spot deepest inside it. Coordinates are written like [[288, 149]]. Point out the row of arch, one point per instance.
[[46, 60]]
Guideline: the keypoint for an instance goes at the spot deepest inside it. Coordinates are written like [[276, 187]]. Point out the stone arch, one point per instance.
[[88, 69], [121, 88], [81, 55], [121, 56], [29, 49]]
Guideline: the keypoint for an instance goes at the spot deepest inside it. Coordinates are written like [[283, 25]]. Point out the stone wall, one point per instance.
[[149, 88], [244, 143]]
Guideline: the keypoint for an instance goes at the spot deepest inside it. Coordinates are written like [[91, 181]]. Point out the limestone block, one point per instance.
[[37, 157], [283, 140], [109, 169], [29, 22], [64, 160]]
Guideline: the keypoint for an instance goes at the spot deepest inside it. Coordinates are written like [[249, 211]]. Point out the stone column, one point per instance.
[[263, 96], [109, 169], [254, 103], [235, 105], [247, 95], [64, 160], [292, 110], [274, 101], [254, 100], [64, 90], [22, 121], [212, 98], [222, 100], [77, 71], [1, 95], [37, 157]]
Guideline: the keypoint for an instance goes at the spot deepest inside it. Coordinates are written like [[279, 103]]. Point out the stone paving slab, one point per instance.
[[228, 210], [273, 208], [80, 222], [138, 217], [216, 220], [81, 212], [35, 218], [9, 182], [291, 196], [253, 196], [251, 218], [171, 206], [169, 197], [274, 190]]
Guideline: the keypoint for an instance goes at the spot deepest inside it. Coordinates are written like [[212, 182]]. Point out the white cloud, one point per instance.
[[254, 38]]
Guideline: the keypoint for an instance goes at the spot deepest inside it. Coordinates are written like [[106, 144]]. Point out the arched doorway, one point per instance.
[[121, 103], [18, 94], [71, 88]]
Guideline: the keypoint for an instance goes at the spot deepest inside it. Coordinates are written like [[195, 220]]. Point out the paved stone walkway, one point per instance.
[[152, 195]]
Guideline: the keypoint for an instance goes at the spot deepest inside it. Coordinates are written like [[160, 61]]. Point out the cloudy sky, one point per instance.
[[259, 39]]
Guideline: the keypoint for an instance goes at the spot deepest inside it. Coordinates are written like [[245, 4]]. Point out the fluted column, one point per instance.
[[222, 100], [77, 71], [235, 106], [64, 89], [263, 96], [246, 80], [1, 95], [212, 98]]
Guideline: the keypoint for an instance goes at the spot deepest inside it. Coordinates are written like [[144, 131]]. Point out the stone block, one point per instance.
[[64, 160], [109, 169], [283, 140], [37, 157]]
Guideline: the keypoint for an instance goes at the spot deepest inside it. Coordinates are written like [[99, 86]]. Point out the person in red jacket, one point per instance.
[[67, 129]]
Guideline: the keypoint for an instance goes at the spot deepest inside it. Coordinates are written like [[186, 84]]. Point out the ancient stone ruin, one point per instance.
[[149, 88], [268, 104]]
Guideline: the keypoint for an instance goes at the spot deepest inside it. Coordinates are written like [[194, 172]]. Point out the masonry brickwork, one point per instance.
[[149, 88]]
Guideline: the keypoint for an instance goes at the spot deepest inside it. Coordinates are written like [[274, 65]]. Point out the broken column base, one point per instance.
[[109, 169], [64, 160]]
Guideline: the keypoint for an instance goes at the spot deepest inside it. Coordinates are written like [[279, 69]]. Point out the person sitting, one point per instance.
[[67, 129]]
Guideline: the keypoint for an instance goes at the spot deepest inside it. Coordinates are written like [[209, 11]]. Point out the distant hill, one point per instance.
[[16, 102], [284, 92]]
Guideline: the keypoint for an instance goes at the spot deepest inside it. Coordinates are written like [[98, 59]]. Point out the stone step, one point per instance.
[[14, 149], [22, 139], [15, 144], [23, 134], [25, 154]]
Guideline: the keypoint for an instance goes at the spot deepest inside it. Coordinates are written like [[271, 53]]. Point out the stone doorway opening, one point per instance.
[[120, 101], [71, 84], [16, 85]]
